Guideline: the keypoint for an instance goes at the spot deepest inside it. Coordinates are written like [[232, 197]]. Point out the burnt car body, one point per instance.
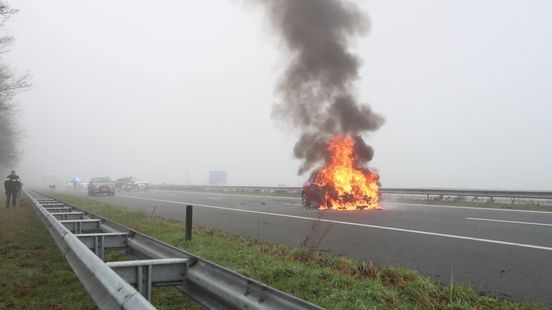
[[312, 195], [101, 185]]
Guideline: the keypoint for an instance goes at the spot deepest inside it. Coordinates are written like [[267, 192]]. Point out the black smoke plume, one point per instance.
[[316, 88]]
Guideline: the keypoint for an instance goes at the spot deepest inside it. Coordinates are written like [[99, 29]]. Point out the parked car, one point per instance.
[[124, 184], [101, 185], [131, 184], [141, 186]]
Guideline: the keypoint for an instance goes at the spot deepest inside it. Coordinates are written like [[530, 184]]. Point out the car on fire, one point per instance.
[[314, 196], [101, 185]]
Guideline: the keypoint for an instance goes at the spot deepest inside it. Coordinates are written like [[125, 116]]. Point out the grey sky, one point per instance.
[[169, 90]]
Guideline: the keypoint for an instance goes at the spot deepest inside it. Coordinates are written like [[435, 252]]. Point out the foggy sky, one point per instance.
[[167, 92]]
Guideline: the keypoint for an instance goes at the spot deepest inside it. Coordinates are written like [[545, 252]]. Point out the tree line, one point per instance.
[[10, 84]]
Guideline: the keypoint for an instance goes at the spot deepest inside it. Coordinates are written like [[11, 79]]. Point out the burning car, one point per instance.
[[101, 185], [314, 196], [342, 184]]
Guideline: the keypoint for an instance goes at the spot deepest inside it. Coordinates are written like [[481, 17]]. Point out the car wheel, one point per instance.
[[305, 201]]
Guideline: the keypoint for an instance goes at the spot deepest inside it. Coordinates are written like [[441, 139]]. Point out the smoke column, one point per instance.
[[316, 88]]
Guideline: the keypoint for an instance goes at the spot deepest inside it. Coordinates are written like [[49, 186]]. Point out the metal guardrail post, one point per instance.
[[68, 215], [77, 226], [143, 274], [189, 214], [99, 242]]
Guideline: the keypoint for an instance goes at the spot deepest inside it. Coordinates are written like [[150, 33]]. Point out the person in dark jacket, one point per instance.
[[12, 186]]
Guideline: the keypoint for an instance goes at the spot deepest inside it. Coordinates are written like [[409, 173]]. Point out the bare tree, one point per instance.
[[10, 84]]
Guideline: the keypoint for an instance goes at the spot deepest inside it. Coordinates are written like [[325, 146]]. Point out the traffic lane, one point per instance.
[[258, 201], [445, 225], [511, 214], [515, 227], [251, 202], [450, 222], [502, 270], [159, 198], [173, 192]]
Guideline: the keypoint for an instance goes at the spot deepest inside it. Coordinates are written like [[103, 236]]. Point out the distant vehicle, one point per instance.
[[51, 186], [101, 185], [142, 186], [124, 184], [131, 184], [75, 182]]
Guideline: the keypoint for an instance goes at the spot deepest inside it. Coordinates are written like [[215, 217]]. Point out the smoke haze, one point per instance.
[[170, 92], [317, 87]]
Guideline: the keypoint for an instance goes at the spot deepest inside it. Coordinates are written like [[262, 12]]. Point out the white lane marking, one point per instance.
[[237, 195], [472, 208], [509, 222], [420, 232], [293, 204], [213, 198]]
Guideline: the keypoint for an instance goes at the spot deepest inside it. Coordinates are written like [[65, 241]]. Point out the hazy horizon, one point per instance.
[[167, 93]]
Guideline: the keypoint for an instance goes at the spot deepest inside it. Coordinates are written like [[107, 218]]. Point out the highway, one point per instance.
[[505, 253]]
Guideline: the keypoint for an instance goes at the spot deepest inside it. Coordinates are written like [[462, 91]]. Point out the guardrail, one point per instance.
[[107, 289], [468, 193], [296, 191], [84, 237]]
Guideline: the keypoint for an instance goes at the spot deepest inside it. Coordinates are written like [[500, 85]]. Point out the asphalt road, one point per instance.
[[505, 253]]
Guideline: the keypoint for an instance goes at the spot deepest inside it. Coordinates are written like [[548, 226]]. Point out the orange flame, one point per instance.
[[347, 185]]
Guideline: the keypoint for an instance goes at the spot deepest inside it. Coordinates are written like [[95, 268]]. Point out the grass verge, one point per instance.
[[33, 273], [330, 281]]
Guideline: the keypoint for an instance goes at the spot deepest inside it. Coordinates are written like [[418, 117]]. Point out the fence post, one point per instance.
[[189, 209]]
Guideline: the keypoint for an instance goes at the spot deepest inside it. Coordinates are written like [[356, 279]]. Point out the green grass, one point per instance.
[[334, 282], [33, 273]]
